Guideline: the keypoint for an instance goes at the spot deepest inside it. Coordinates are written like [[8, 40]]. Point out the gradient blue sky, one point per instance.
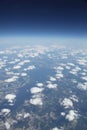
[[60, 19]]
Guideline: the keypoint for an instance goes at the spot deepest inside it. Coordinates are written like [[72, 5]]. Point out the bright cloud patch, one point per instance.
[[14, 78], [36, 90], [72, 115], [17, 67], [52, 79], [82, 86], [53, 86], [5, 111], [82, 61], [84, 78], [56, 128], [7, 125], [67, 103], [74, 98], [59, 75], [26, 115], [70, 64], [10, 97], [30, 68], [39, 84], [36, 101], [75, 70], [23, 74]]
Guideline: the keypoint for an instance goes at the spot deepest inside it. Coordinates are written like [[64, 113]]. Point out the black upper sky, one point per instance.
[[43, 17]]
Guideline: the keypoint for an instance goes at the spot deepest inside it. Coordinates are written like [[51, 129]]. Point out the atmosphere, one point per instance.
[[66, 18]]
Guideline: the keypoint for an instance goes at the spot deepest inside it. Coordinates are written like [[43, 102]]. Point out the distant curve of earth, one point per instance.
[[43, 88]]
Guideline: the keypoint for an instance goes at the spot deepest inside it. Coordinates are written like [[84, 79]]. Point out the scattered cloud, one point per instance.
[[5, 111], [17, 67], [7, 125], [40, 84], [35, 90], [10, 97], [72, 115], [82, 86], [23, 74], [67, 103], [36, 101], [52, 86], [52, 78], [14, 78]]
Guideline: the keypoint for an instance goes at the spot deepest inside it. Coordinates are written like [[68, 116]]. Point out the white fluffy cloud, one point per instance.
[[52, 78], [67, 103], [82, 61], [23, 74], [74, 98], [35, 90], [5, 111], [52, 86], [36, 101], [59, 75], [82, 86], [7, 125], [31, 67], [17, 67], [84, 78], [14, 78], [75, 70], [26, 115], [70, 64], [55, 128], [10, 97], [72, 115], [39, 84]]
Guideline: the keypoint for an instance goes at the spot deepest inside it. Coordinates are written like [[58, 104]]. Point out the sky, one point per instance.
[[43, 18]]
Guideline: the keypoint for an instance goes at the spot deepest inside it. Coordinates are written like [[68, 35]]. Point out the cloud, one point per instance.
[[52, 78], [58, 76], [26, 115], [31, 67], [56, 128], [35, 90], [52, 86], [82, 61], [62, 113], [82, 86], [68, 67], [67, 103], [71, 64], [84, 78], [59, 68], [23, 62], [39, 84], [17, 67], [5, 111], [72, 115], [75, 70], [10, 97], [7, 125], [74, 80], [14, 78], [74, 98], [36, 101], [23, 74]]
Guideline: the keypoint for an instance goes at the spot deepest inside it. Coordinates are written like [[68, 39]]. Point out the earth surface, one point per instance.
[[43, 88]]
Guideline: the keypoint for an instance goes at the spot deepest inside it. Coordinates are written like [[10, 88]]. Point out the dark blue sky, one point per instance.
[[66, 18]]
